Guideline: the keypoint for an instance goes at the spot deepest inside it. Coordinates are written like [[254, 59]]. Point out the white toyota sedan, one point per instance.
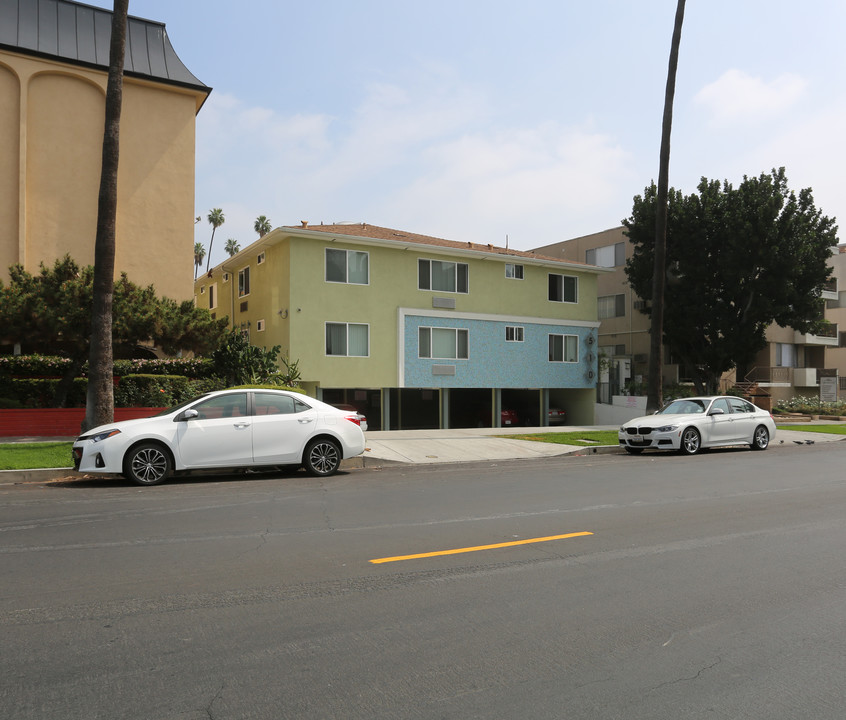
[[691, 424], [238, 428]]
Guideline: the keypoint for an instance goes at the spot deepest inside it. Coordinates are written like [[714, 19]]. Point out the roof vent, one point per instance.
[[305, 223]]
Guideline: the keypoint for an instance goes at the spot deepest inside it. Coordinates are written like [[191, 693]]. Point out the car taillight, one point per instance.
[[353, 419]]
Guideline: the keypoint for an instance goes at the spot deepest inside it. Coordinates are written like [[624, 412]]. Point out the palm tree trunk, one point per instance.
[[656, 353], [100, 401]]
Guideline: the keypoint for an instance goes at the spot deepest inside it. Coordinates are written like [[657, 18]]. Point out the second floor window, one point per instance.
[[347, 339], [513, 333], [443, 343], [611, 306], [442, 276], [563, 348], [563, 288], [244, 282], [347, 266], [513, 271]]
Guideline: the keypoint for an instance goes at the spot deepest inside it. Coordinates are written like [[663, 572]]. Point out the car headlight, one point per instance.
[[667, 428], [99, 437]]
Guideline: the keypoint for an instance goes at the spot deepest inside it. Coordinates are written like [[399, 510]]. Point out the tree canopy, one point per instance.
[[51, 311], [738, 259]]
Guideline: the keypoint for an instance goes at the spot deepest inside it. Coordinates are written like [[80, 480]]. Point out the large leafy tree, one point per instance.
[[51, 311], [100, 403], [738, 259], [215, 219]]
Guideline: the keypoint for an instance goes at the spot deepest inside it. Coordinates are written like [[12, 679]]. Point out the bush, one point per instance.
[[193, 368], [811, 406], [39, 392], [33, 365]]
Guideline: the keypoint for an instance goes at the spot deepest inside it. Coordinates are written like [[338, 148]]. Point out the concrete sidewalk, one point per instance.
[[395, 447]]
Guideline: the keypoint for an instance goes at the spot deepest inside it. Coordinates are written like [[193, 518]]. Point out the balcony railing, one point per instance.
[[794, 377]]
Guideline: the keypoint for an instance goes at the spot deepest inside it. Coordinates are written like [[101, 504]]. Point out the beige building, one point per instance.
[[53, 71], [791, 364]]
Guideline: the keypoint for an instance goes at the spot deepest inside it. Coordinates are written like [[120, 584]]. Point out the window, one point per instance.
[[225, 277], [203, 290], [442, 276], [347, 266], [347, 339], [513, 333], [563, 288], [443, 343], [259, 325], [563, 348], [273, 404], [212, 296], [223, 406], [608, 256], [611, 306], [785, 355], [244, 282], [513, 271], [260, 258]]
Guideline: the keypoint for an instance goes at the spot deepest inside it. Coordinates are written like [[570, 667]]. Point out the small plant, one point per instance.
[[811, 406]]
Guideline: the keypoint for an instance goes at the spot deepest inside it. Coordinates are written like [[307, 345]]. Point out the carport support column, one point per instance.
[[386, 408], [544, 418], [496, 407]]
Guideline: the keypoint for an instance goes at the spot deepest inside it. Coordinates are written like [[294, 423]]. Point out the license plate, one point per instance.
[[507, 422], [636, 438]]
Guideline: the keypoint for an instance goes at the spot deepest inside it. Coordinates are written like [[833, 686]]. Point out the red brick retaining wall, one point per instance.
[[57, 422]]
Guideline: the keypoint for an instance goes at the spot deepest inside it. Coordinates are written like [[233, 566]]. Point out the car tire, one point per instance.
[[147, 464], [633, 451], [322, 457], [760, 438], [691, 441]]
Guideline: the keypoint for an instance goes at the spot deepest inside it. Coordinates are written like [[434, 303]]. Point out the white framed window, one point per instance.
[[260, 258], [786, 355], [259, 325], [513, 333], [347, 266], [442, 276], [563, 348], [225, 277], [611, 306], [608, 256], [244, 281], [203, 290], [513, 271], [347, 339], [563, 288], [443, 343]]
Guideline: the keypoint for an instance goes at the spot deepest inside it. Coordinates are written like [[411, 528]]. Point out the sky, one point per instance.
[[498, 122]]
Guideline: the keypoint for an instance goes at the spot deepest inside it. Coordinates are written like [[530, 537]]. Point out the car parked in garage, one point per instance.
[[688, 425], [236, 428]]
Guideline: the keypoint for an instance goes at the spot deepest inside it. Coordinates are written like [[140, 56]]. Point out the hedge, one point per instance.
[[47, 366]]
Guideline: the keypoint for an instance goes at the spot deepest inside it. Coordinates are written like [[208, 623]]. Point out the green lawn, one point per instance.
[[585, 438], [839, 429], [28, 456]]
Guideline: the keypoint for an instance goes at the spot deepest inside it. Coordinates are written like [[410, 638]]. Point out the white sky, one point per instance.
[[481, 119]]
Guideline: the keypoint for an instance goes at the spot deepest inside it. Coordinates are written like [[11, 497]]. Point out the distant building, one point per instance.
[[791, 364], [416, 331], [54, 57]]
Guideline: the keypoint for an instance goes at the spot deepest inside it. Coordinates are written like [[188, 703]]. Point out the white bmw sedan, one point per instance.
[[235, 428], [691, 424]]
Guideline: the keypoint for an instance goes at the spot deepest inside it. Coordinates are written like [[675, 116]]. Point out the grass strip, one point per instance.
[[803, 427], [30, 456], [586, 438]]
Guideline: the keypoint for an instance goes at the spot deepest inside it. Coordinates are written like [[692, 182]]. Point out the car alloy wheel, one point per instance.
[[690, 441], [147, 464], [322, 458], [761, 438]]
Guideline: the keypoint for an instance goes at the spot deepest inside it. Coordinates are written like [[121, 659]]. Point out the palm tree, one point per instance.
[[216, 219], [262, 226], [100, 399], [656, 340], [199, 255], [232, 247]]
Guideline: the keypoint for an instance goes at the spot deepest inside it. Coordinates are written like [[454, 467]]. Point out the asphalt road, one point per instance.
[[619, 587]]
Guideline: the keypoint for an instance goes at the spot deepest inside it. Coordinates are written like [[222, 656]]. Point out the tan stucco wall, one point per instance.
[[51, 134]]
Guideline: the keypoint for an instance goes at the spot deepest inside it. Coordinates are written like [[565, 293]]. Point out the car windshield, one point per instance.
[[168, 411], [683, 407]]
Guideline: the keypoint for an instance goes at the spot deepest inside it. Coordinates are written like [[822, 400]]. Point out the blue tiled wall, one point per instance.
[[493, 362]]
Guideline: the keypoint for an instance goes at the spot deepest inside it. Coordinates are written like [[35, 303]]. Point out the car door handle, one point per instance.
[[242, 425], [303, 421]]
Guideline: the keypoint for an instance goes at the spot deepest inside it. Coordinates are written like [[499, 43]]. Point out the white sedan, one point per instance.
[[225, 429], [690, 424]]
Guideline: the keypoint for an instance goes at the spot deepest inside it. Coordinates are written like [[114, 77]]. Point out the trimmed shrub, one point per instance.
[[39, 392]]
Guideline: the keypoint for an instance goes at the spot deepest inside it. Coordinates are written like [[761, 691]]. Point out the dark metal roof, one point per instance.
[[80, 34]]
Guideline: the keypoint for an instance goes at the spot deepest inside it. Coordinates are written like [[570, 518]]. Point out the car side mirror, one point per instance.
[[717, 411], [189, 414]]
